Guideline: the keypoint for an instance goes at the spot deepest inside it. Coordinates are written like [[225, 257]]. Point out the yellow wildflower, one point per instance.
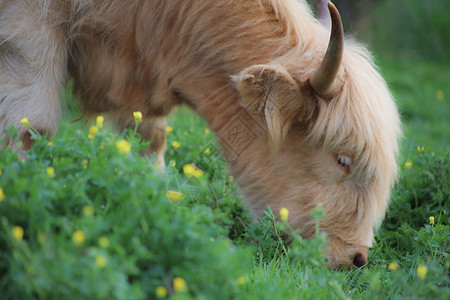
[[123, 145], [103, 242], [284, 213], [440, 95], [173, 164], [188, 170], [241, 280], [161, 292], [408, 164], [198, 173], [230, 178], [174, 196], [207, 130], [78, 237], [100, 261], [84, 163], [2, 195], [25, 122], [137, 116], [420, 149], [93, 130], [422, 271], [432, 220], [88, 210], [100, 121], [17, 232], [50, 143], [91, 136], [50, 172], [393, 266], [169, 129], [176, 144], [179, 284], [207, 150]]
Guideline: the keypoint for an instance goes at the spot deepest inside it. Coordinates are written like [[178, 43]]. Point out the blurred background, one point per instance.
[[410, 41], [412, 28]]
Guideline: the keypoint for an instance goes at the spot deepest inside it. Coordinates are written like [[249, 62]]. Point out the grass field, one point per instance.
[[83, 218]]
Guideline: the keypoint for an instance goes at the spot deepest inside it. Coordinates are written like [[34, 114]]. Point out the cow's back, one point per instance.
[[104, 61], [137, 53]]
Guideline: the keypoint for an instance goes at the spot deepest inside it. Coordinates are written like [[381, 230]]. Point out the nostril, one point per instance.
[[360, 260]]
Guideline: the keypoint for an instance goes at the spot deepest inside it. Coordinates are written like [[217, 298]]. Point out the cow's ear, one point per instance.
[[271, 91]]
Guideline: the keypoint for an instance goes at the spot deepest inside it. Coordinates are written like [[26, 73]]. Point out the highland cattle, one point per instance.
[[302, 114]]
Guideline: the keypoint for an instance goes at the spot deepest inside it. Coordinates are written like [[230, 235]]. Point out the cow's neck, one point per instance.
[[203, 78], [204, 81], [241, 136], [237, 130]]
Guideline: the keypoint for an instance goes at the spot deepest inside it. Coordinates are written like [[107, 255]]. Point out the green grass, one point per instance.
[[209, 241], [423, 96], [412, 28]]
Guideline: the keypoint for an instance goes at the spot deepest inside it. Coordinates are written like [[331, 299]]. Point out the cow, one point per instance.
[[301, 113]]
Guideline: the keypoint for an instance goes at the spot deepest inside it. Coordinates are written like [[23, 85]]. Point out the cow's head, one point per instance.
[[332, 128]]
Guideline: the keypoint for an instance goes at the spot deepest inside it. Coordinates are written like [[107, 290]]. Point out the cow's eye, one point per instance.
[[344, 162]]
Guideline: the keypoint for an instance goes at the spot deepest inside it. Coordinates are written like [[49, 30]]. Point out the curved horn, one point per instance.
[[323, 78]]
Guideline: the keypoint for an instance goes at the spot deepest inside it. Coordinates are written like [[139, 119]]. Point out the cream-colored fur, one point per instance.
[[244, 66]]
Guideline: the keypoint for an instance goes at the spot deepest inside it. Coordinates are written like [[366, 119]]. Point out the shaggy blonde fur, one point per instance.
[[244, 66]]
